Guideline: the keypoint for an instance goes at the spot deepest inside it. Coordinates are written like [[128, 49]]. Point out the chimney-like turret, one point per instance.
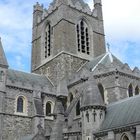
[[37, 13], [98, 9]]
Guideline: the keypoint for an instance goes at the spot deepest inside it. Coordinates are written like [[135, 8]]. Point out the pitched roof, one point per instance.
[[29, 137], [92, 95], [105, 59], [3, 60], [32, 79], [122, 113]]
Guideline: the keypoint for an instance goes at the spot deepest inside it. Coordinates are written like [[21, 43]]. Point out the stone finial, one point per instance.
[[136, 70], [38, 7], [97, 2]]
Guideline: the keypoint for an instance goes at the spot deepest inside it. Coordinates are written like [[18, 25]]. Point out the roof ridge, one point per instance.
[[123, 100], [100, 61]]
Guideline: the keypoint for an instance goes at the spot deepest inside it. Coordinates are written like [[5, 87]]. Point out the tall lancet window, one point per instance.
[[130, 90], [48, 40], [137, 90], [83, 37]]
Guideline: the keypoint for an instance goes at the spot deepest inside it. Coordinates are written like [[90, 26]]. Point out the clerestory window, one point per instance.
[[83, 37], [48, 108], [21, 105], [48, 40]]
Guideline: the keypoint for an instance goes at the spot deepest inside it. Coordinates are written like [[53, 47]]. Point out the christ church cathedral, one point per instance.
[[77, 90]]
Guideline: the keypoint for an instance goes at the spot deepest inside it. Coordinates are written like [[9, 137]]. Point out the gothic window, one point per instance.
[[48, 40], [21, 105], [48, 108], [78, 108], [83, 37], [101, 89], [130, 90], [137, 90], [124, 137]]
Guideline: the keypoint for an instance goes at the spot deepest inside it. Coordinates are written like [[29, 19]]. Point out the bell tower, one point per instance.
[[65, 37]]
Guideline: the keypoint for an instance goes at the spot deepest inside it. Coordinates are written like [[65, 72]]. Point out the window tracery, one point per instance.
[[21, 105], [83, 37], [48, 40]]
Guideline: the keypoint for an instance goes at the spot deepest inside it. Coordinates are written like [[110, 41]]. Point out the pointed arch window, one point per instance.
[[130, 90], [48, 40], [20, 104], [48, 108], [137, 90], [78, 108], [83, 37], [124, 137], [101, 89]]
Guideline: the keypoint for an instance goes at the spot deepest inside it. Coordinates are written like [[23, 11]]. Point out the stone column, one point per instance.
[[111, 135], [138, 132]]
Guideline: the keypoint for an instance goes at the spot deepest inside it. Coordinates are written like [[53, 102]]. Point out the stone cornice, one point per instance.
[[19, 88], [15, 115], [72, 133], [48, 94], [130, 127], [93, 107], [116, 73]]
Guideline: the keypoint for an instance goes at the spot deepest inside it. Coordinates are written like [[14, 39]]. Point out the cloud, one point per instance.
[[121, 20]]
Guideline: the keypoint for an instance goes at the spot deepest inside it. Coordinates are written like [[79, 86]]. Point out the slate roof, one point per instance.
[[92, 95], [30, 137], [3, 60], [33, 79], [105, 59], [122, 113]]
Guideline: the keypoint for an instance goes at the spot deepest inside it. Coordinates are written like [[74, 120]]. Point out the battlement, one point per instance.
[[38, 7]]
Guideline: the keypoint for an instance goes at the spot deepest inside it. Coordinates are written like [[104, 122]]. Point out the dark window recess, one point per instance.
[[130, 90], [20, 102], [48, 109], [48, 41], [94, 115], [78, 108], [83, 37], [137, 90]]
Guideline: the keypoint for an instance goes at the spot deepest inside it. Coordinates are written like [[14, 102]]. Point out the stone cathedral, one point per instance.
[[76, 89]]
